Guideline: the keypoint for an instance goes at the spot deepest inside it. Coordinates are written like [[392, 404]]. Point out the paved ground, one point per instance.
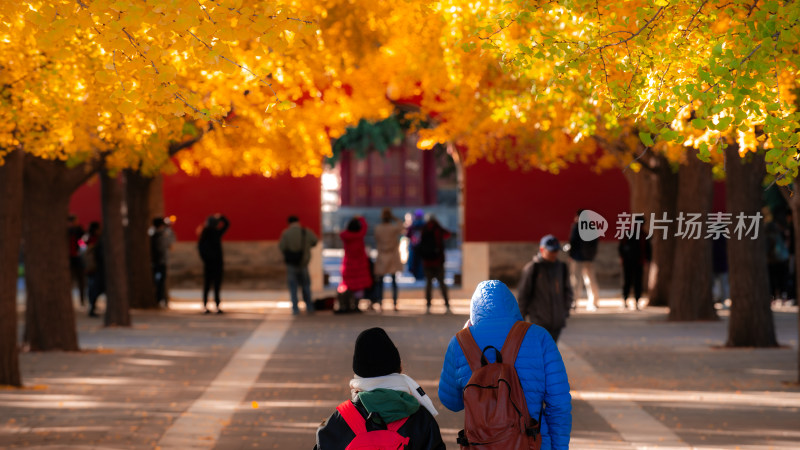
[[256, 377]]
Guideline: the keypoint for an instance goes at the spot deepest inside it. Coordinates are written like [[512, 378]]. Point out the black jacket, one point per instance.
[[421, 429], [210, 243], [580, 250]]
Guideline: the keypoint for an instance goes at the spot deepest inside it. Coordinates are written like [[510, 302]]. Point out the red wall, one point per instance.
[[85, 202], [501, 204], [257, 207]]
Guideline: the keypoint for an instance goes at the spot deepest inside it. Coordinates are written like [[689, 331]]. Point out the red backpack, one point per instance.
[[495, 411], [388, 439]]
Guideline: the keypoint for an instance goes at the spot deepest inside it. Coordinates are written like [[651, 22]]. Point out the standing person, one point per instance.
[[76, 247], [414, 235], [356, 273], [161, 240], [544, 293], [94, 264], [210, 247], [295, 244], [387, 240], [777, 257], [538, 364], [635, 253], [581, 266], [431, 250], [381, 398], [720, 289], [791, 279]]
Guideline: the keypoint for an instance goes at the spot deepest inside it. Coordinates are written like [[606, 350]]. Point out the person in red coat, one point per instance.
[[356, 272]]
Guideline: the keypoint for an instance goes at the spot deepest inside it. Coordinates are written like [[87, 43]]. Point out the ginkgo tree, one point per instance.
[[93, 81], [697, 77]]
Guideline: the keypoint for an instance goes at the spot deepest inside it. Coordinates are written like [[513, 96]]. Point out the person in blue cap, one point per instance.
[[544, 292]]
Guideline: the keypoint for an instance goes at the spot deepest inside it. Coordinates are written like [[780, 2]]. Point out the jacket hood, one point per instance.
[[493, 300], [390, 404]]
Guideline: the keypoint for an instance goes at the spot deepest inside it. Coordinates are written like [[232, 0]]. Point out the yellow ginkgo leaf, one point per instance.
[[104, 77], [126, 107]]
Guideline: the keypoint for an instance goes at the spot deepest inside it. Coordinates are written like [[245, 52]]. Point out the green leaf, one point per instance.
[[646, 138], [700, 124]]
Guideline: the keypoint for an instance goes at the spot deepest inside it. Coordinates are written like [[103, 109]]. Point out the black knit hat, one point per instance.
[[375, 354]]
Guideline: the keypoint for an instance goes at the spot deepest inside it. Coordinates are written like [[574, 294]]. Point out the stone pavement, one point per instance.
[[256, 377]]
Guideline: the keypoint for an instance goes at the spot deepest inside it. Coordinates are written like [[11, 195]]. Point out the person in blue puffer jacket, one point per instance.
[[541, 371]]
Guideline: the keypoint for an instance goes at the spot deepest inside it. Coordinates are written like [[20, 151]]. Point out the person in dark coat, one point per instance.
[[76, 247], [544, 293], [635, 253], [210, 247], [161, 240], [414, 235], [95, 266], [431, 250], [382, 394], [581, 265]]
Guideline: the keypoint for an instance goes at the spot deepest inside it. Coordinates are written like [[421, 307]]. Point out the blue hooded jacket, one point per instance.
[[493, 312]]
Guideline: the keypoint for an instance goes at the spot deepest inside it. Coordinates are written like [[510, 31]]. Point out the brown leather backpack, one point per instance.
[[495, 411]]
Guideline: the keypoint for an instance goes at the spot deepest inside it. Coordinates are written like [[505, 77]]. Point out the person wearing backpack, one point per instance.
[[431, 250], [295, 243], [387, 409], [539, 371]]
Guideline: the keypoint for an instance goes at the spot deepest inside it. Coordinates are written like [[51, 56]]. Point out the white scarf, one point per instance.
[[396, 382]]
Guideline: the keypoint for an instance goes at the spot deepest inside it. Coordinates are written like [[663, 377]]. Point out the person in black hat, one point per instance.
[[544, 292], [382, 395]]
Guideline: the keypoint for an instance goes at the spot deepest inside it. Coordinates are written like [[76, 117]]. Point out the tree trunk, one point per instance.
[[141, 290], [49, 314], [156, 196], [751, 323], [794, 202], [11, 232], [665, 189], [117, 305], [690, 289]]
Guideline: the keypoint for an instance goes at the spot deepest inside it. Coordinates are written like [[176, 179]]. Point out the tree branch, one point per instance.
[[633, 35]]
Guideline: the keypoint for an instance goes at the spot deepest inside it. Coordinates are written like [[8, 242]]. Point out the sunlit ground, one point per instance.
[[180, 374]]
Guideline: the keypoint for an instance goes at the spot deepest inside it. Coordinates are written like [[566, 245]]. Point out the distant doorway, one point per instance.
[[403, 178]]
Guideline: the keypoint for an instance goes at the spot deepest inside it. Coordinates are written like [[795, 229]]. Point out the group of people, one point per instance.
[[516, 396], [363, 277], [87, 266], [87, 261]]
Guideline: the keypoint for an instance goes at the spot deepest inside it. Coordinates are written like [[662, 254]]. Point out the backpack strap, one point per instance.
[[514, 342], [356, 421], [394, 426], [470, 348]]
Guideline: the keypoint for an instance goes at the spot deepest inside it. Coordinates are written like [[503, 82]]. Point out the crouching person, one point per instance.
[[387, 409], [499, 362]]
